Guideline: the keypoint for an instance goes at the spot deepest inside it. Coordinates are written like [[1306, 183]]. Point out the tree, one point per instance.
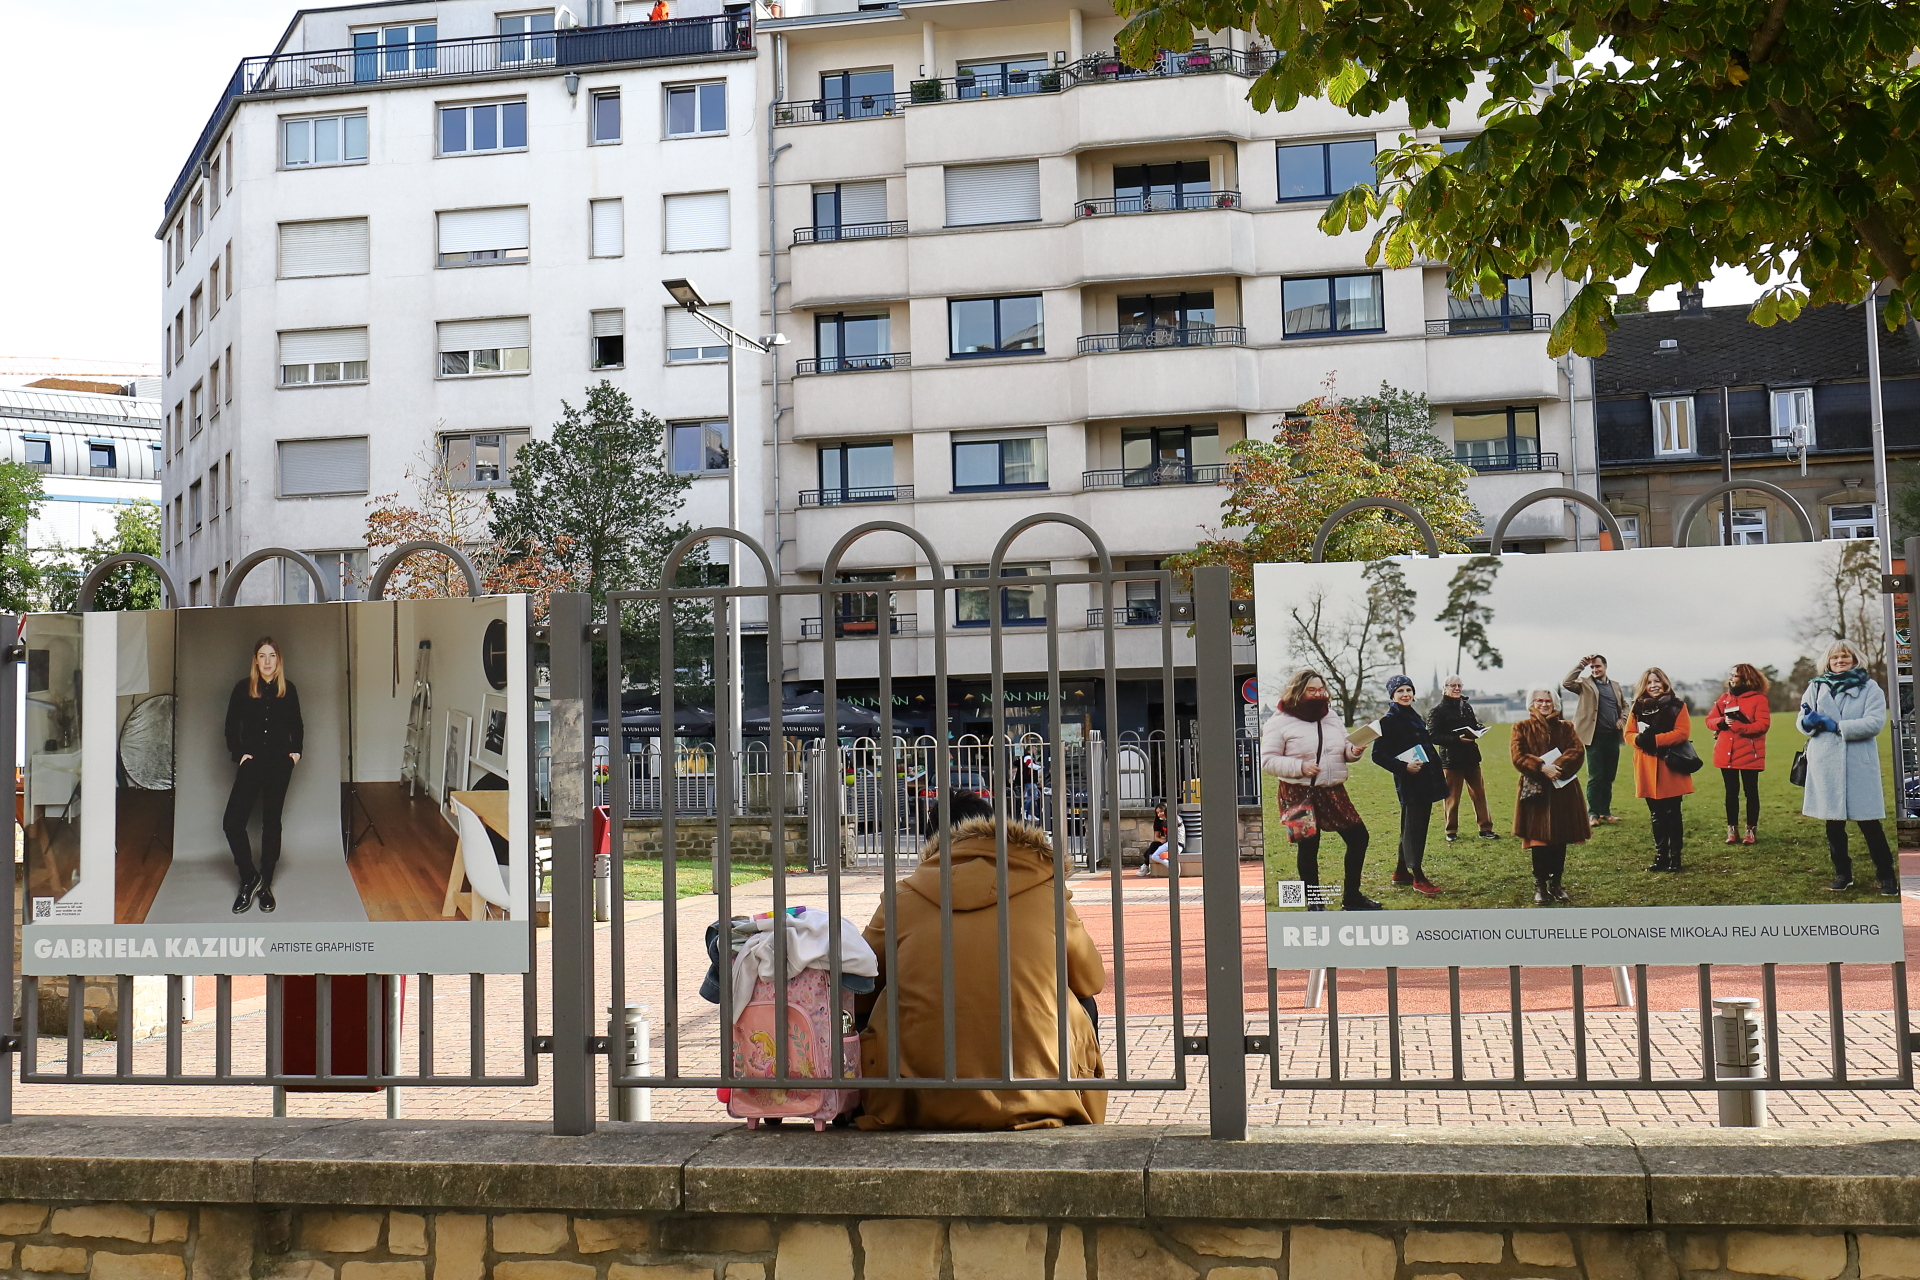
[[1849, 606], [20, 498], [1467, 614], [1398, 424], [136, 528], [1356, 648], [1670, 135], [1395, 603]]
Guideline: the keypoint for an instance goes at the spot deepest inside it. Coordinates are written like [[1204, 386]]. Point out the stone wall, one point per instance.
[[1136, 834], [751, 838]]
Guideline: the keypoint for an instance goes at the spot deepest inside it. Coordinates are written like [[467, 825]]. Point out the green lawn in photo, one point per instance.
[[1788, 865]]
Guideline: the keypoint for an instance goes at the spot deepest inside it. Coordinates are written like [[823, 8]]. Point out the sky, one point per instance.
[[105, 99]]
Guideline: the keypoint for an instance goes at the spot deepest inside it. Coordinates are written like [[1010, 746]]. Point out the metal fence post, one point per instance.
[[570, 651], [10, 658], [1220, 858]]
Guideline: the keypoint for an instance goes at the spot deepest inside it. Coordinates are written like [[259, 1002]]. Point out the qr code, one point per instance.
[[43, 908], [1293, 893]]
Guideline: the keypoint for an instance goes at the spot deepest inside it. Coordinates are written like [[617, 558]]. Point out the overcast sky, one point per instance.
[[103, 101]]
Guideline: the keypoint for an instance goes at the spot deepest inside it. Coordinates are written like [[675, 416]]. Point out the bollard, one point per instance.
[[630, 1104], [1736, 1043], [602, 888]]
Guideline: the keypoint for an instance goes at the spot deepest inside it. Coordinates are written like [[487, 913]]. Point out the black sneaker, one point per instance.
[[1360, 902], [1890, 888], [1840, 884], [1489, 835], [1451, 837]]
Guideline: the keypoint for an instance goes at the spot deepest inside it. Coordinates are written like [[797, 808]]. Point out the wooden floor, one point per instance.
[[142, 852], [404, 878], [53, 857]]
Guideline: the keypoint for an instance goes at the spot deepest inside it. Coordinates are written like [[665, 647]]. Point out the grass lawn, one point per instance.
[[692, 876], [1788, 865]]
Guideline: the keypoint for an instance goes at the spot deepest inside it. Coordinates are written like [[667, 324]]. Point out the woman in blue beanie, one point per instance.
[[1405, 749]]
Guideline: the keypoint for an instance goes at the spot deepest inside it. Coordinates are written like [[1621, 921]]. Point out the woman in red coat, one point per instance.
[[1738, 722]]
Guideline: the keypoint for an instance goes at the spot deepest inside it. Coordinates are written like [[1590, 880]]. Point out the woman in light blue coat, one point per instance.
[[1842, 714]]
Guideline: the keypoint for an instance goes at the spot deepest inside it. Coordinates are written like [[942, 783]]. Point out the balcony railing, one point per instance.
[[1158, 202], [1522, 323], [903, 624], [1144, 614], [849, 231], [842, 497], [305, 72], [855, 364], [868, 106], [1211, 335], [1159, 474], [1504, 461]]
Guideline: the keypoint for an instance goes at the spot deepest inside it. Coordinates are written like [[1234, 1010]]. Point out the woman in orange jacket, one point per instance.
[[1659, 722], [1738, 721]]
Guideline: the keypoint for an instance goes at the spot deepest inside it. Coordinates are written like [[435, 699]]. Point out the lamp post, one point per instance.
[[683, 293]]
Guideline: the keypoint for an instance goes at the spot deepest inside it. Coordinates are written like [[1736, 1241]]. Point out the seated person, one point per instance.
[[1157, 848], [976, 995]]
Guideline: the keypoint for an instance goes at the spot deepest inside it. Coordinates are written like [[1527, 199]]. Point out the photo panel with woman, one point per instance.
[[1647, 756]]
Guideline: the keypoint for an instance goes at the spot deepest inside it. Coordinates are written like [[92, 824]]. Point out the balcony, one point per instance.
[[1212, 335], [868, 106], [846, 497], [1453, 326], [849, 231], [1503, 462], [903, 624], [1161, 474], [854, 364], [1160, 202], [1143, 613]]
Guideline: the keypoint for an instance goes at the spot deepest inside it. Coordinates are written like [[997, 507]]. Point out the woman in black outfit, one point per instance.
[[264, 737], [1418, 782]]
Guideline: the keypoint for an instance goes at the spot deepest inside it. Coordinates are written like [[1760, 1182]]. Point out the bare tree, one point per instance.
[[1849, 605], [1352, 648]]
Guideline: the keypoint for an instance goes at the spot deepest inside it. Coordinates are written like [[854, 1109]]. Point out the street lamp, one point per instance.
[[686, 295]]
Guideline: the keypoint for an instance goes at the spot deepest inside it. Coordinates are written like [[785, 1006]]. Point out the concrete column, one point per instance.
[[1076, 36], [929, 68]]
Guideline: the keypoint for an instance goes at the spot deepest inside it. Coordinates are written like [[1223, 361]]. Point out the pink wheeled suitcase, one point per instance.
[[813, 1017]]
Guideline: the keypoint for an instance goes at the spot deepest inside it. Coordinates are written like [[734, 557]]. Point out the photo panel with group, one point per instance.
[[305, 788], [1657, 756]]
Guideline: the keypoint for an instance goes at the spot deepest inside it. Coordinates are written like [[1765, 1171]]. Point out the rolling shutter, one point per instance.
[[685, 330], [477, 230], [983, 193], [609, 324], [862, 202], [336, 248], [309, 467], [697, 222], [609, 228], [319, 346], [483, 335]]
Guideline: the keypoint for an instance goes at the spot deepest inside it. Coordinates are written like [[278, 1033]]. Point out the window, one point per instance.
[[194, 515], [696, 222], [213, 289], [514, 49], [213, 492], [229, 256], [229, 150], [844, 342], [1142, 599], [323, 140], [228, 396], [1673, 427], [1854, 520], [1019, 606], [607, 219], [1793, 418], [227, 496], [337, 247], [698, 446], [483, 237], [197, 215], [492, 126], [856, 95], [1000, 77], [856, 473], [213, 389], [1002, 462], [179, 519], [995, 326], [1749, 527], [1501, 440], [180, 336], [1629, 529], [39, 450], [1475, 313], [471, 348], [1332, 304], [394, 51], [343, 572], [852, 206], [316, 468], [481, 459], [1163, 320], [313, 356], [606, 116], [197, 420], [193, 593], [1143, 188], [1166, 455], [688, 339], [179, 424], [213, 184], [102, 457], [196, 313], [179, 246], [695, 109], [982, 194], [1322, 169], [609, 339], [857, 613], [168, 357]]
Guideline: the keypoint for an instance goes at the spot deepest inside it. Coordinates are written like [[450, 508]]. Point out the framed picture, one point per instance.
[[453, 766], [490, 747]]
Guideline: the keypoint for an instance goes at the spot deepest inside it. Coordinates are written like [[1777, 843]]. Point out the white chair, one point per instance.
[[475, 859]]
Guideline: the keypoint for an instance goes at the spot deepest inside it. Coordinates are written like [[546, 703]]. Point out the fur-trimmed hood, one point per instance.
[[975, 878]]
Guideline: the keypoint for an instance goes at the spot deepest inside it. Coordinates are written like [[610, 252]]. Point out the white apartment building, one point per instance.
[[1022, 277], [96, 453], [414, 229]]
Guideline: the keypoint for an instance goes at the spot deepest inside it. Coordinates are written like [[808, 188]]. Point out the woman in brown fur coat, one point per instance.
[[1548, 817]]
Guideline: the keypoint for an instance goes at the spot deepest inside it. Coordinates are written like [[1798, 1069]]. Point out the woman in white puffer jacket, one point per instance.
[[1304, 745]]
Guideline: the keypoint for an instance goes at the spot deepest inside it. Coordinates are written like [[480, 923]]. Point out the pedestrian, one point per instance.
[[1600, 717], [1156, 851], [1456, 732], [1405, 749], [1738, 721], [265, 736], [1660, 724], [1305, 747], [1842, 714], [1550, 813]]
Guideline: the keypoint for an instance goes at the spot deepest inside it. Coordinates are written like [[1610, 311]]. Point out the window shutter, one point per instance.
[[609, 229], [315, 346], [481, 335], [309, 467], [474, 230], [984, 193], [697, 222], [336, 248], [609, 324], [862, 202], [684, 329]]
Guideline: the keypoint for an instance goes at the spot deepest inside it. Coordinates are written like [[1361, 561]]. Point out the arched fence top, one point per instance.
[[377, 585], [1774, 491], [712, 533], [831, 569], [1586, 500], [98, 575], [1050, 517], [231, 587], [1332, 522]]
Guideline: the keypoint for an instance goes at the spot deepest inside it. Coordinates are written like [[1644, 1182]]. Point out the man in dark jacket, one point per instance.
[[1456, 732]]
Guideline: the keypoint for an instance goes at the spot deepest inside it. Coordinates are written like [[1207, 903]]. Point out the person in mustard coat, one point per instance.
[[1738, 720], [1660, 721]]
